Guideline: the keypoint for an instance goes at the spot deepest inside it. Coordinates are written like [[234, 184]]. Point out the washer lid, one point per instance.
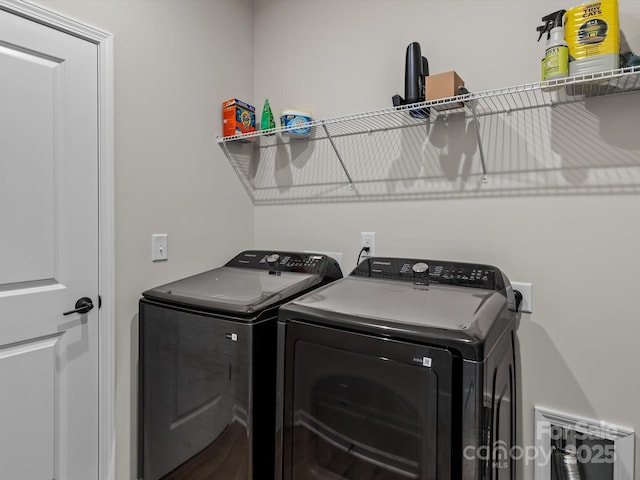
[[233, 290], [468, 314], [249, 283], [401, 303]]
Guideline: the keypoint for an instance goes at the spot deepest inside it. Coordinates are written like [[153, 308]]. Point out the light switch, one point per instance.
[[159, 247]]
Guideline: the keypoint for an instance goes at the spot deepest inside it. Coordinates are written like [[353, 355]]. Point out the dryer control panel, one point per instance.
[[281, 261], [432, 271]]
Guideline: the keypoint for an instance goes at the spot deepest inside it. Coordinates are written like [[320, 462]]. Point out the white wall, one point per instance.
[[579, 249], [175, 63]]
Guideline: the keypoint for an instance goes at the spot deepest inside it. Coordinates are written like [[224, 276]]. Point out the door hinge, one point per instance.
[[99, 301]]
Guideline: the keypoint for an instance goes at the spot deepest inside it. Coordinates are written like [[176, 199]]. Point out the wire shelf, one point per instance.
[[344, 156]]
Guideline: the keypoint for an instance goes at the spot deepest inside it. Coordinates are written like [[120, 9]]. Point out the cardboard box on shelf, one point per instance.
[[238, 117], [443, 85]]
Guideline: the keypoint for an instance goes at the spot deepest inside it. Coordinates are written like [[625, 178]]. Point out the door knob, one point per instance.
[[83, 305]]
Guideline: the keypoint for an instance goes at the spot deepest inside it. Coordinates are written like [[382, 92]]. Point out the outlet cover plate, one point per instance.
[[526, 289], [368, 239]]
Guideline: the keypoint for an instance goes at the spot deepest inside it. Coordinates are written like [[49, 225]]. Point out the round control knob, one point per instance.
[[273, 258], [420, 268]]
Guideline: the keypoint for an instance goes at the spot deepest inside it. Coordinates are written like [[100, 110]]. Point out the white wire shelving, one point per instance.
[[345, 153]]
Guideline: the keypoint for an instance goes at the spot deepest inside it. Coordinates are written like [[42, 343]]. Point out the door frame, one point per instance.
[[106, 313]]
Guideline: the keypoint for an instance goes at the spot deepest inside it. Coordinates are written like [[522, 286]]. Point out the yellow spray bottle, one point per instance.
[[555, 63]]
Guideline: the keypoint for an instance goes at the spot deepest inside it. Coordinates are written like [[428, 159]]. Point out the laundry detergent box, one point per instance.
[[238, 117]]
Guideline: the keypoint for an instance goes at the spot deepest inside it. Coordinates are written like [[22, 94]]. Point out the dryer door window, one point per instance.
[[358, 406]]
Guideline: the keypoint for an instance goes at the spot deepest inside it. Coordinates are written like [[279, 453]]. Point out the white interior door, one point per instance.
[[49, 255]]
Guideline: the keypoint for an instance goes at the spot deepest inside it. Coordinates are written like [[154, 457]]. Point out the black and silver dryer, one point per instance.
[[404, 369], [208, 365]]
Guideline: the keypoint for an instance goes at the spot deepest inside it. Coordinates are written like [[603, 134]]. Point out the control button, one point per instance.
[[273, 258], [419, 268]]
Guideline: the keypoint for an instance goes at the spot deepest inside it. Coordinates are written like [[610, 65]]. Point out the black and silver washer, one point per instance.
[[208, 361], [404, 369]]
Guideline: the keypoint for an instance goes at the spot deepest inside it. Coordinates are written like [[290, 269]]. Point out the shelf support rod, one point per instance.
[[335, 149], [476, 124]]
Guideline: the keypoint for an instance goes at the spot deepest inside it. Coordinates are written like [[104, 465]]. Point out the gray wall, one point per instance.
[[175, 63], [573, 233]]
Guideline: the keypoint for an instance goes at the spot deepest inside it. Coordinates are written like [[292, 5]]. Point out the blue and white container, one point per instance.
[[297, 121]]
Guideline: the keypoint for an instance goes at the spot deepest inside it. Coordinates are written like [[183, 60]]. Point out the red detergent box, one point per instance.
[[238, 117]]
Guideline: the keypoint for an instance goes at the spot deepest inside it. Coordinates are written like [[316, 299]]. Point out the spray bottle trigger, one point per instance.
[[544, 29], [550, 22]]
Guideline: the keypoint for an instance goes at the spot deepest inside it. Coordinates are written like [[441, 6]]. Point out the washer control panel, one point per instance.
[[280, 261], [431, 271]]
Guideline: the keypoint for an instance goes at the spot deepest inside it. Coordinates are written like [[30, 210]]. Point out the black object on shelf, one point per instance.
[[416, 69]]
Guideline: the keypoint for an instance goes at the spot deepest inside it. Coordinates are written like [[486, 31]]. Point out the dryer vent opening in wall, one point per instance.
[[575, 448]]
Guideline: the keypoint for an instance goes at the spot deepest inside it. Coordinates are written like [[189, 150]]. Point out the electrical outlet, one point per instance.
[[368, 239], [159, 250], [526, 289]]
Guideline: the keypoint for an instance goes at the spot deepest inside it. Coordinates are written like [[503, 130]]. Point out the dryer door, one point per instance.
[[194, 386], [358, 406]]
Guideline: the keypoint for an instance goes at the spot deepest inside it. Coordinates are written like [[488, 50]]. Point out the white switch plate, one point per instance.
[[159, 250], [526, 289]]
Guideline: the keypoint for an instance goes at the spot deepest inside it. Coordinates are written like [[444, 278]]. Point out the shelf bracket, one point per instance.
[[335, 149], [476, 124]]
